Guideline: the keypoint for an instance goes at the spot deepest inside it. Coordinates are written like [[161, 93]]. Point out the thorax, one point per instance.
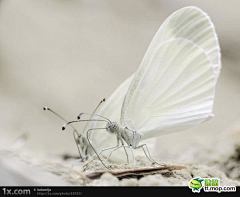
[[132, 138]]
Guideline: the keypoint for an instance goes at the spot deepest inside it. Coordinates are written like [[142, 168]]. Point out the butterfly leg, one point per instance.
[[77, 139], [124, 149], [115, 150], [134, 161], [103, 151], [81, 146], [148, 156], [112, 152], [93, 147]]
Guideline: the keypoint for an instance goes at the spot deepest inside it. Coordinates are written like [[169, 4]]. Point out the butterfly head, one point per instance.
[[112, 127]]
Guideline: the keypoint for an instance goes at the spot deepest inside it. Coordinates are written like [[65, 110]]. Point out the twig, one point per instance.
[[134, 172]]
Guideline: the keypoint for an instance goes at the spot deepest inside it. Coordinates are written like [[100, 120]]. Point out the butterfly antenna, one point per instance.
[[47, 108], [75, 132], [93, 114], [74, 121], [103, 100], [79, 116]]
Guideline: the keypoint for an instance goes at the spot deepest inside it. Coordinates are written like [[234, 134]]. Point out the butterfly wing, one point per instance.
[[173, 89], [111, 109]]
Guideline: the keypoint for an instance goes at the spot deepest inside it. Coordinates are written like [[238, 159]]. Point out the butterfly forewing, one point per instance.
[[173, 88]]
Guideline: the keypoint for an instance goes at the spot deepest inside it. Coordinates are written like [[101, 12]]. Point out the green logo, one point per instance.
[[196, 184], [209, 185]]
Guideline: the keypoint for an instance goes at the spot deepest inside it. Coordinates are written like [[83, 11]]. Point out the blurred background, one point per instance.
[[70, 54]]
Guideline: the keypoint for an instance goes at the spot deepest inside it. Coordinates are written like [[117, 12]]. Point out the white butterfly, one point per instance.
[[172, 90]]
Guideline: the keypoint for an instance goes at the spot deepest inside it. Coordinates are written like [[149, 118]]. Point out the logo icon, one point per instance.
[[209, 185], [196, 184]]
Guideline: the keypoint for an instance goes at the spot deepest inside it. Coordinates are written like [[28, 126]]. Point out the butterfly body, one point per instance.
[[172, 90], [132, 138]]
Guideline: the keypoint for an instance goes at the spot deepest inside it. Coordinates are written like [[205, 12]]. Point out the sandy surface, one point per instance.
[[17, 162], [16, 168]]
